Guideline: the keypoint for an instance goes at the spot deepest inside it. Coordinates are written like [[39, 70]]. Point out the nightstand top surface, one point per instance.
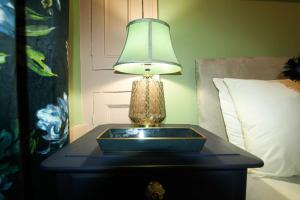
[[84, 155]]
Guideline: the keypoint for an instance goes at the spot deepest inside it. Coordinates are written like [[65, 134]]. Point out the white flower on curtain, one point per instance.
[[7, 18], [54, 120]]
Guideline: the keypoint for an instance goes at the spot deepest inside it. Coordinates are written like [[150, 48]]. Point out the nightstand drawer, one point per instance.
[[177, 184]]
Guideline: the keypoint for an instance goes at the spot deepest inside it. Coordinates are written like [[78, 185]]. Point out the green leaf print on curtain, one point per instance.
[[3, 58], [34, 57], [38, 30], [35, 62], [32, 15]]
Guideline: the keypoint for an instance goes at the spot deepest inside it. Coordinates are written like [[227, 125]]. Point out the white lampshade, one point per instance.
[[148, 49]]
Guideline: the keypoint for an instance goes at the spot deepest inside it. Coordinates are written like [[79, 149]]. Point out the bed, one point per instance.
[[212, 119]]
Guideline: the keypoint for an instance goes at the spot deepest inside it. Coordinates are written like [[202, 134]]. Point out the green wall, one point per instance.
[[222, 28], [74, 65], [211, 29]]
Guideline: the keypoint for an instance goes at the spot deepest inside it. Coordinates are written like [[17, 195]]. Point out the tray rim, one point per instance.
[[202, 138]]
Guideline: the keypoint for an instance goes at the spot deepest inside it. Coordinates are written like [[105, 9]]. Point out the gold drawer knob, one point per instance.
[[155, 191]]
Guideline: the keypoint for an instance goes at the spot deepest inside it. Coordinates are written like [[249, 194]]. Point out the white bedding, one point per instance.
[[210, 116], [273, 189]]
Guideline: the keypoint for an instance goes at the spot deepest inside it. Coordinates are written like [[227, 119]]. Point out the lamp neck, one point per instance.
[[147, 76]]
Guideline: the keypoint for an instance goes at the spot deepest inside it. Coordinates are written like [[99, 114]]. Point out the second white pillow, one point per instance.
[[269, 113], [232, 124]]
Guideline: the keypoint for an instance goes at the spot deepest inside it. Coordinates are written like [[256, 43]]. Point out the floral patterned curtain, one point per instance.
[[46, 101]]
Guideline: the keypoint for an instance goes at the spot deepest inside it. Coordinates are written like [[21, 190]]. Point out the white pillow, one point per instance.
[[232, 123], [270, 116]]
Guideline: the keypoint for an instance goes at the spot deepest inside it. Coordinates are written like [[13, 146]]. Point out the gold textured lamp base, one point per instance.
[[147, 103]]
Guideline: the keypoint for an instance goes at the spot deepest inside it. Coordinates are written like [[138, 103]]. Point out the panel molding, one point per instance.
[[110, 118], [109, 103], [108, 25], [102, 56], [101, 88]]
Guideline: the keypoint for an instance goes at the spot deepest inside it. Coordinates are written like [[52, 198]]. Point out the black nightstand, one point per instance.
[[81, 171]]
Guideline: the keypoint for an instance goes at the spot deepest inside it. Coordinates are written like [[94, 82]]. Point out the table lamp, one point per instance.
[[147, 51]]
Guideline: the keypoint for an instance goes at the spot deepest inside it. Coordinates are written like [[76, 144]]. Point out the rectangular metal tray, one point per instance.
[[114, 140]]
